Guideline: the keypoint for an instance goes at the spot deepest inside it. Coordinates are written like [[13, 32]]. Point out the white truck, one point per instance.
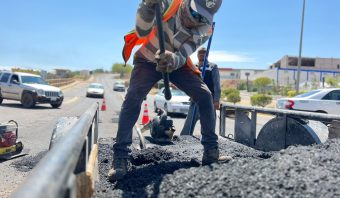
[[29, 89]]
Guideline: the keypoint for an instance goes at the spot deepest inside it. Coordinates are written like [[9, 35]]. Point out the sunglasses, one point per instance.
[[198, 17]]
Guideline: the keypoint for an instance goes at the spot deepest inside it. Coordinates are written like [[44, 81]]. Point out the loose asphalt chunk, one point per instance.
[[27, 163], [175, 171]]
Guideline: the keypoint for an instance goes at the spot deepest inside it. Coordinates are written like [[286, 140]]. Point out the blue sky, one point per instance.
[[88, 34]]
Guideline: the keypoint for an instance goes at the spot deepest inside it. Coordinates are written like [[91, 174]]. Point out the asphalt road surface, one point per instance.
[[175, 170], [36, 125]]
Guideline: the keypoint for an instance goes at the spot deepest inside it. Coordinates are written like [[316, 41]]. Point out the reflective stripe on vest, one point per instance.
[[131, 39]]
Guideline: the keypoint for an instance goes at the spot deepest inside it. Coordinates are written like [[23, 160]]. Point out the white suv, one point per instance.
[[29, 89]]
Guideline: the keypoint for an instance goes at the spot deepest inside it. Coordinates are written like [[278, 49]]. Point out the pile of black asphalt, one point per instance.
[[175, 171]]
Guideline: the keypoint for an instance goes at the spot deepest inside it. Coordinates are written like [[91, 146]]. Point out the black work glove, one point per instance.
[[165, 61]]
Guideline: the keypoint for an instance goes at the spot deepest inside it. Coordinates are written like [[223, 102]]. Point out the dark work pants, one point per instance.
[[191, 119], [143, 77]]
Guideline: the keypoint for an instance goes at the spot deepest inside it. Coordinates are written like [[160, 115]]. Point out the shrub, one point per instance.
[[262, 82], [260, 100], [242, 85], [333, 82], [286, 89], [226, 92], [234, 97], [291, 93]]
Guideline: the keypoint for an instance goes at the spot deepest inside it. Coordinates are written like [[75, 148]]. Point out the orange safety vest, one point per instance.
[[131, 39]]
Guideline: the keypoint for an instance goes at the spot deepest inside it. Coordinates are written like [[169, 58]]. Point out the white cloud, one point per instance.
[[224, 56]]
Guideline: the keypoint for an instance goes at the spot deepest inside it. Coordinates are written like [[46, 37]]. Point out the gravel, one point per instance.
[[26, 164], [175, 171]]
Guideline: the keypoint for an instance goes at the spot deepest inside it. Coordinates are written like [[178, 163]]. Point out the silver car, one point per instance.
[[119, 86], [179, 102], [95, 90]]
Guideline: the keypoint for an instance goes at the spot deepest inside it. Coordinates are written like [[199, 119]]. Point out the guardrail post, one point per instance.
[[222, 120], [83, 158], [243, 128], [96, 125], [253, 127]]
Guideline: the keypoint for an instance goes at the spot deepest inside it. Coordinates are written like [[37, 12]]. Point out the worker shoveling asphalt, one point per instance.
[[187, 26]]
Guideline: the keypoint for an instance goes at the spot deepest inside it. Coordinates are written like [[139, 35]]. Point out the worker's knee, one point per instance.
[[203, 94], [135, 95]]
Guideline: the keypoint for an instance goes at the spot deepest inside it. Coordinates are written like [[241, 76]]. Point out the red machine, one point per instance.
[[9, 147]]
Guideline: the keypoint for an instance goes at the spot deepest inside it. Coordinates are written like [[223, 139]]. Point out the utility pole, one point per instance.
[[299, 60]]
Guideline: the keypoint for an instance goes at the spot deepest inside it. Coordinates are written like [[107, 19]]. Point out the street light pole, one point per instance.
[[300, 50]]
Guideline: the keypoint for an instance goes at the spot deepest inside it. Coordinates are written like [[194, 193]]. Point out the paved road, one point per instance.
[[36, 125], [35, 129]]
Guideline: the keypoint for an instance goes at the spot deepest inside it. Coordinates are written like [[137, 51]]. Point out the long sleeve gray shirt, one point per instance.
[[178, 39]]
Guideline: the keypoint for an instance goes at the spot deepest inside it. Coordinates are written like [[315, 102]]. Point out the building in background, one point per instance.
[[43, 74], [308, 63], [85, 73], [228, 73], [62, 73], [313, 70], [238, 74]]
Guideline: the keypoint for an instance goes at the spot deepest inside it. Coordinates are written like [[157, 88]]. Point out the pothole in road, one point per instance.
[[26, 164], [151, 155]]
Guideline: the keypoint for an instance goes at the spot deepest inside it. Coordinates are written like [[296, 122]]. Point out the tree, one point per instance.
[[121, 69], [261, 83], [260, 100]]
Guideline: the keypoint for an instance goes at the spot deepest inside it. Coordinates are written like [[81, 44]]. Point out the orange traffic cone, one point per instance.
[[145, 118], [103, 105]]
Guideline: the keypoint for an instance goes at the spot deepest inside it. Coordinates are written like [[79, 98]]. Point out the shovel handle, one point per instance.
[[160, 31]]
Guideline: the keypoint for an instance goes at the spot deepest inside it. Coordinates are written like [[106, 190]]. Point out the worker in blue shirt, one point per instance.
[[212, 80]]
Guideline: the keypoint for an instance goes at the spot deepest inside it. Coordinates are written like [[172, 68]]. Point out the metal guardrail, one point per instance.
[[245, 124], [55, 175], [59, 82]]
